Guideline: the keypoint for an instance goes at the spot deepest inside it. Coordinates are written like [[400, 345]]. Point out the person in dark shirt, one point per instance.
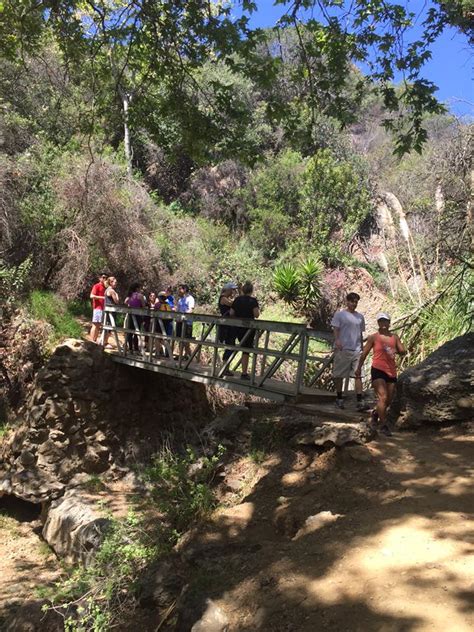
[[245, 306], [226, 333]]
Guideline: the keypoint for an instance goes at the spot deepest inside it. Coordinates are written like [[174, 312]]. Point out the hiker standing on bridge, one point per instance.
[[245, 306], [349, 326], [98, 304], [186, 304], [136, 299], [111, 299], [226, 333], [386, 346]]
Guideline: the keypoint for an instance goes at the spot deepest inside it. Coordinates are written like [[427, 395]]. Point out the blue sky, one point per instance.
[[450, 67]]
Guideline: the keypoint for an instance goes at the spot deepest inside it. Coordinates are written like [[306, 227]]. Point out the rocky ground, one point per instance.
[[372, 538]]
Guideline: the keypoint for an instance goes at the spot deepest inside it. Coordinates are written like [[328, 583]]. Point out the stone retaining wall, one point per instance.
[[87, 414]]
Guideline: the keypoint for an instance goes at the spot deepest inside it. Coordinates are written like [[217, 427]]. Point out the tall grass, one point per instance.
[[448, 316], [52, 309]]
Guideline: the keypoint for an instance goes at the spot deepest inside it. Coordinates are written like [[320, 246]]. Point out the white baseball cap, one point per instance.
[[230, 286], [383, 316]]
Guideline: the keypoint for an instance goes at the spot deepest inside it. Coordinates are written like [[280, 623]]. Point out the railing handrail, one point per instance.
[[258, 324]]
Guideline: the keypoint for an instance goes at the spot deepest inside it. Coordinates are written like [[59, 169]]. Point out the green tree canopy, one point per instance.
[[125, 48]]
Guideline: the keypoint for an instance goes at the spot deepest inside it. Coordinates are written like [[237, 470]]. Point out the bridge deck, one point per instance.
[[196, 372]]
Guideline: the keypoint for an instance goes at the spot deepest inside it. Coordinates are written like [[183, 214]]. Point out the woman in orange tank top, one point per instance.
[[385, 346]]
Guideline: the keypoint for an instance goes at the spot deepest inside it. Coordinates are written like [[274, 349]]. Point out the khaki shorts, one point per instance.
[[345, 363]]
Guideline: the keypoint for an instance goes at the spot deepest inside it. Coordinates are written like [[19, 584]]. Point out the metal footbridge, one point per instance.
[[286, 360]]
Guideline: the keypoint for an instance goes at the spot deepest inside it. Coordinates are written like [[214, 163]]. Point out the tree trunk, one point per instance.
[[126, 133], [439, 204]]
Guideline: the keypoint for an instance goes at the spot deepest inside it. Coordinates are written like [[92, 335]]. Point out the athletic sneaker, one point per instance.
[[245, 376], [386, 431], [362, 407], [340, 403], [228, 373]]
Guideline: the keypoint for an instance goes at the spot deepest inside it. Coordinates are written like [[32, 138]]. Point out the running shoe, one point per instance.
[[339, 403], [386, 431]]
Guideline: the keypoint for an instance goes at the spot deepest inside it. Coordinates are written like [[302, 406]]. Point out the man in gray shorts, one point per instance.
[[348, 326]]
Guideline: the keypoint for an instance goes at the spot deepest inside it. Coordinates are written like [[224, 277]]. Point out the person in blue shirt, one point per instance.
[[185, 305], [170, 298]]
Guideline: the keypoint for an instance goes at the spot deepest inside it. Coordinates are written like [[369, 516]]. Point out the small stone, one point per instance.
[[313, 523], [27, 458]]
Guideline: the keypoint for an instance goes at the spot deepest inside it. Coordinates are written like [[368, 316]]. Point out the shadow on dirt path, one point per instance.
[[391, 546]]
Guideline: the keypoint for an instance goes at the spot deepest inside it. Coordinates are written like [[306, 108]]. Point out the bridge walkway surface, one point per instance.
[[288, 361]]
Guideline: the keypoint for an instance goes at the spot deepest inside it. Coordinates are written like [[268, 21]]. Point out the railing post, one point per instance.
[[151, 339], [264, 358], [254, 357], [301, 362], [125, 326]]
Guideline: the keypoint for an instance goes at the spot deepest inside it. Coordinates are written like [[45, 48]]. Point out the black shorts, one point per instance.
[[241, 332], [377, 374], [188, 329]]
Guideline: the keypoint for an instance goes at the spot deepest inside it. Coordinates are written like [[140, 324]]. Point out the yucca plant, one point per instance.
[[310, 272], [299, 284], [287, 283]]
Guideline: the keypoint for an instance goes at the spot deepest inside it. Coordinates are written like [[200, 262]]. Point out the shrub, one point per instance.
[[335, 198], [13, 282], [273, 197], [182, 496]]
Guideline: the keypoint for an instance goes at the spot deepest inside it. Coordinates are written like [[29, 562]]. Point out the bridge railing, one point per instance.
[[283, 356]]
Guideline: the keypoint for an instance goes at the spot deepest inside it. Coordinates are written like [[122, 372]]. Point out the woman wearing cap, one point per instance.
[[226, 333], [385, 346]]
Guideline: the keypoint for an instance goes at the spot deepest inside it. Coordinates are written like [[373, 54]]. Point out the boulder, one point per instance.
[[439, 390], [196, 614], [213, 619], [335, 433], [74, 528]]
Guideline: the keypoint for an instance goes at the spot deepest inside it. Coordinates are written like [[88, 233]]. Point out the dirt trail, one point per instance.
[[27, 565], [395, 554]]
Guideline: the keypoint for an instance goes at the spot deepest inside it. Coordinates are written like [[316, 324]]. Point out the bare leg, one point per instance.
[[338, 384], [358, 385], [380, 388], [390, 392], [94, 332]]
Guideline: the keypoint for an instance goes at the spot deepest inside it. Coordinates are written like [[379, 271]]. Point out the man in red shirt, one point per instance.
[[98, 304]]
